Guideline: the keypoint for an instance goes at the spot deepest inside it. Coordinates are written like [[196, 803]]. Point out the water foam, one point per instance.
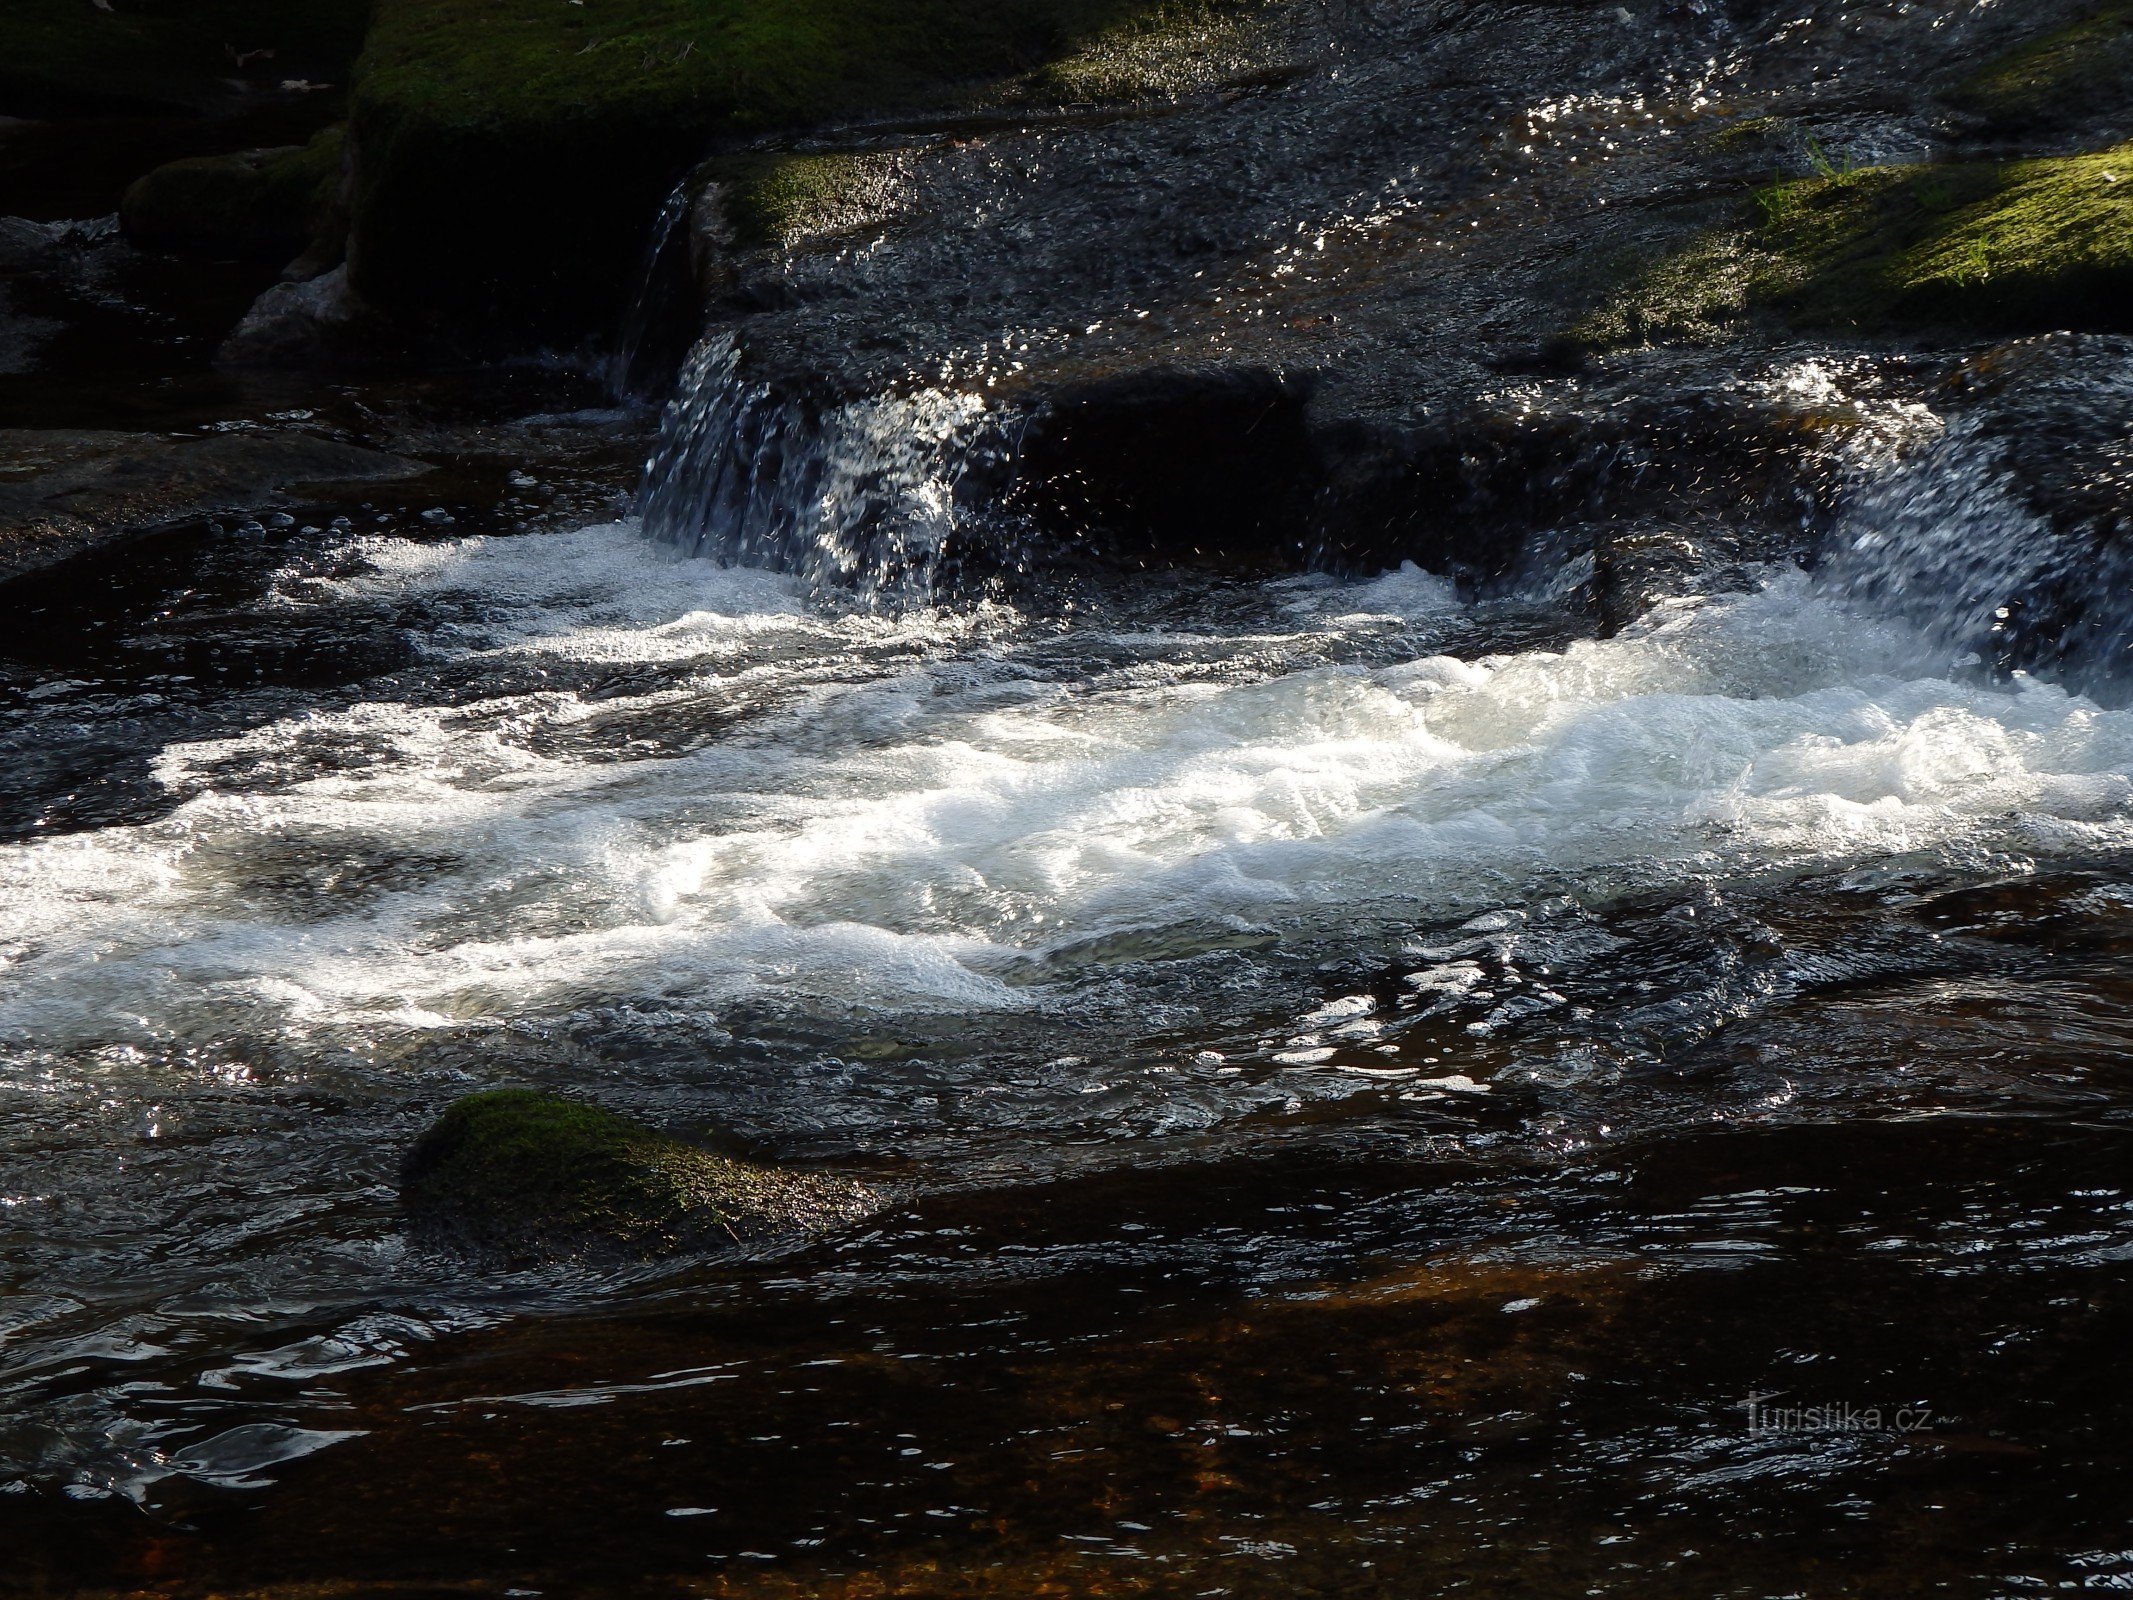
[[903, 830], [1958, 531]]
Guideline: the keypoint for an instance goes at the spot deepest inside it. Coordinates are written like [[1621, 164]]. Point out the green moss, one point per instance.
[[521, 1176], [1749, 134], [61, 57], [1984, 247], [270, 203], [2011, 248], [511, 153], [776, 200], [1170, 49], [718, 64], [2064, 79], [1695, 296]]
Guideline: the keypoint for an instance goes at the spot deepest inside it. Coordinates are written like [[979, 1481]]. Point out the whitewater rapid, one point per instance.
[[940, 812]]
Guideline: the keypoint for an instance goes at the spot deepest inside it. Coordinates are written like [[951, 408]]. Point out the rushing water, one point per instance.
[[1382, 1080]]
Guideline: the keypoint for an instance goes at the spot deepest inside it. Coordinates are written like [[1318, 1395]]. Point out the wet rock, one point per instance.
[[518, 1177], [476, 135], [65, 490], [320, 322], [2072, 78], [1176, 467], [26, 246]]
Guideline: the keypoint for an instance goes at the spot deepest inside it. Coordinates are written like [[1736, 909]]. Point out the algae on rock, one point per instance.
[[1982, 247], [522, 1177], [2068, 78]]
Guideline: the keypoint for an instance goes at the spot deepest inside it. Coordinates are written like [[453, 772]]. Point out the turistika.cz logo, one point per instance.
[[1838, 1416]]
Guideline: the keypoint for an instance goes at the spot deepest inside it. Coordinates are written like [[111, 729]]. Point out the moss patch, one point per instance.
[[1170, 49], [2064, 79], [1992, 248], [65, 57], [511, 153], [777, 200], [267, 203], [2014, 248], [522, 1177]]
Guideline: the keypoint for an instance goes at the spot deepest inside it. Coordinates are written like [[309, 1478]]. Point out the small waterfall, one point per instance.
[[655, 327], [869, 495], [1952, 540]]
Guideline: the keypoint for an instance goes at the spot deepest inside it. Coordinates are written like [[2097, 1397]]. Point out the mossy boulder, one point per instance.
[[518, 1177], [778, 200], [2067, 79], [74, 57], [2019, 247], [1994, 248], [263, 203], [511, 154]]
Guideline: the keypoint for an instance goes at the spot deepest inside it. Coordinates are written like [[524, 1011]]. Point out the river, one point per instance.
[[1383, 1087]]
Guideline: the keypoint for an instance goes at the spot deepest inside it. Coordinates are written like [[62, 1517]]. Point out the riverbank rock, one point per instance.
[[510, 157], [519, 1177], [63, 491], [270, 203]]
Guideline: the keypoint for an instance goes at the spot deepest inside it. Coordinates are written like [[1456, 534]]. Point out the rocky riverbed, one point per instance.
[[1065, 798]]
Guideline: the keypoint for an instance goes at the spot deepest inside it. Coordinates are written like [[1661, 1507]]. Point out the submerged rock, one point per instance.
[[65, 490], [520, 1177]]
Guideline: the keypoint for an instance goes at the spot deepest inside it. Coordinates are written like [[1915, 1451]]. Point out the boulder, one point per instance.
[[511, 157], [518, 1178], [320, 322], [261, 203]]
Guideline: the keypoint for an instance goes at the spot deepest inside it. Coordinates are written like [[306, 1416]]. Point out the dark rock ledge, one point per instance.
[[63, 491]]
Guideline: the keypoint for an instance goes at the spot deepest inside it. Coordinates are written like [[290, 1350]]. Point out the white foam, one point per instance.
[[901, 837], [1406, 594]]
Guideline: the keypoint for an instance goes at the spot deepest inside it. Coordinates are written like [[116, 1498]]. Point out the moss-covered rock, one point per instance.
[[1170, 49], [2066, 79], [520, 1177], [512, 153], [68, 57], [1982, 247], [2022, 247], [268, 203], [778, 200]]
